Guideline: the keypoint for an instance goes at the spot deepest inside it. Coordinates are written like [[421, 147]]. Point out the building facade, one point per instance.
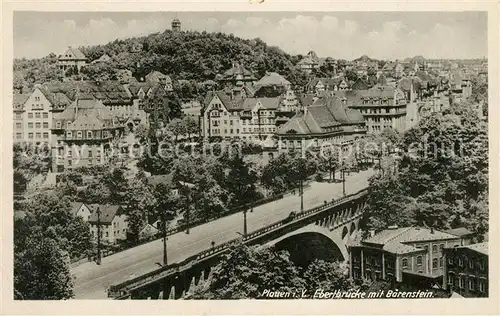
[[83, 134], [466, 270], [409, 256], [72, 58], [382, 107], [18, 100], [327, 120], [112, 223]]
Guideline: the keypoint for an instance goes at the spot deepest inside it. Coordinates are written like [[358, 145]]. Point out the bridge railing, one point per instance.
[[122, 289]]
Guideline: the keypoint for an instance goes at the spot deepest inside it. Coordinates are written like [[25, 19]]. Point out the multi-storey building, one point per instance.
[[466, 270], [309, 63], [112, 222], [33, 114], [236, 76], [72, 58], [122, 103], [320, 85], [226, 116], [406, 257], [327, 120], [18, 100], [82, 134], [381, 106]]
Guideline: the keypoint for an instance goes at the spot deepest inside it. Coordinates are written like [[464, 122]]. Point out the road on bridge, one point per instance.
[[93, 280]]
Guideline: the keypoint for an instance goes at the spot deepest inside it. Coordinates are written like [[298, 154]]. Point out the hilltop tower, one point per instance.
[[176, 25]]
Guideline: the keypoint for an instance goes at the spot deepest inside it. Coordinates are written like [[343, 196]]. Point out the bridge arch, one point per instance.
[[352, 229], [345, 231], [310, 241]]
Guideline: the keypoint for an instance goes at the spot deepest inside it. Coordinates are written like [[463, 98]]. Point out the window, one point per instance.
[[69, 134], [79, 134], [435, 263], [37, 115], [58, 125], [37, 98], [481, 287], [70, 162], [434, 248], [19, 135], [18, 125], [461, 282], [45, 124], [441, 262], [38, 135], [450, 278], [450, 260], [30, 115], [38, 125], [419, 260], [89, 134], [30, 135], [90, 153], [471, 264], [405, 263], [45, 115], [45, 135], [471, 284], [481, 265], [107, 234], [461, 262], [441, 247], [30, 124]]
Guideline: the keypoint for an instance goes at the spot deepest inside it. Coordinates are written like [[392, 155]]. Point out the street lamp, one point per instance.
[[164, 233], [187, 186], [98, 212]]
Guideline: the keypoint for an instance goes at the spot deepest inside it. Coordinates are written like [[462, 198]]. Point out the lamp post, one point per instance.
[[164, 233], [245, 222], [187, 186], [98, 212]]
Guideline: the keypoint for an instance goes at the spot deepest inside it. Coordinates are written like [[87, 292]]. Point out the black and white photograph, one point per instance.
[[265, 155]]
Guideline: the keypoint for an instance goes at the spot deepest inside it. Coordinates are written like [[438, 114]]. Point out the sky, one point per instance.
[[343, 35]]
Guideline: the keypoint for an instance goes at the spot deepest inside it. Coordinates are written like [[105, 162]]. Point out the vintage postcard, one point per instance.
[[319, 156]]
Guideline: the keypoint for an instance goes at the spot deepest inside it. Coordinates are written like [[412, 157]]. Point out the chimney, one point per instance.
[[432, 230]]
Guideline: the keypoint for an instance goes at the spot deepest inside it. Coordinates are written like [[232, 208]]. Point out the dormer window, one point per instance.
[[79, 134], [68, 124], [89, 134], [69, 134], [58, 124]]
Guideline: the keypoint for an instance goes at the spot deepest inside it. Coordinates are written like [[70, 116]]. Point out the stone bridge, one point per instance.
[[318, 233]]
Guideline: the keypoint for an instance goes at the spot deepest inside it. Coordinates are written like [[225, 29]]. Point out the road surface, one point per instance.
[[92, 280]]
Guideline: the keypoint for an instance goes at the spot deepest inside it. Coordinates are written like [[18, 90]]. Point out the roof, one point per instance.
[[18, 100], [329, 83], [58, 100], [398, 240], [156, 76], [108, 212], [75, 206], [236, 70], [325, 113], [86, 114], [78, 55], [272, 79], [481, 247], [306, 99], [359, 85], [226, 99], [460, 231], [166, 179]]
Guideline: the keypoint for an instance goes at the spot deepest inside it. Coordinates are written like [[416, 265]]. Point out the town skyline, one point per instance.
[[461, 35]]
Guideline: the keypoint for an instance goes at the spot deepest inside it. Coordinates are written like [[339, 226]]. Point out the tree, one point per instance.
[[41, 271], [138, 201], [142, 132], [329, 160], [240, 181], [192, 125], [209, 198], [245, 272], [329, 276]]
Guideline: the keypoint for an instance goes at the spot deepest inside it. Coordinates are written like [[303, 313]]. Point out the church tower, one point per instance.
[[176, 25]]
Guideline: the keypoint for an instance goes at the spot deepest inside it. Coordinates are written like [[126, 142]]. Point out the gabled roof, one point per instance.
[[86, 114], [75, 52], [460, 231], [156, 76], [18, 100], [108, 212], [236, 70], [225, 97], [306, 99], [272, 79], [359, 85], [481, 247], [325, 113]]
